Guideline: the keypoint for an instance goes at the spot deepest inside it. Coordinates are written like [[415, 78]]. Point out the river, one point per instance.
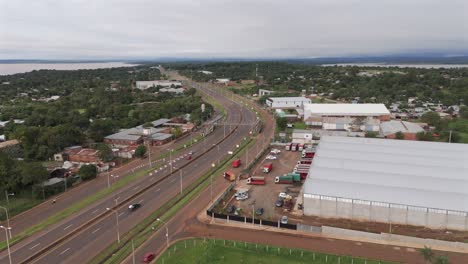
[[12, 68]]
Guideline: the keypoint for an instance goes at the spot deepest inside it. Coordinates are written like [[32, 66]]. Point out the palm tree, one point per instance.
[[427, 254], [441, 260]]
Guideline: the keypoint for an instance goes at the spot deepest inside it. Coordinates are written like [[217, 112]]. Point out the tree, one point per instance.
[[371, 134], [424, 136], [441, 260], [105, 152], [464, 112], [88, 172], [177, 132], [427, 254], [140, 151], [399, 135], [281, 122], [432, 118]]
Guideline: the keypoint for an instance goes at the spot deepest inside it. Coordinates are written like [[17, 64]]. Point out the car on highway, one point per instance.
[[189, 157], [284, 220], [242, 196], [148, 257], [279, 202], [275, 151], [259, 211], [134, 206], [271, 157]]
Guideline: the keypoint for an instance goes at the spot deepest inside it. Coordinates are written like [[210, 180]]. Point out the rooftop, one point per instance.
[[394, 126], [277, 99], [415, 173], [346, 109]]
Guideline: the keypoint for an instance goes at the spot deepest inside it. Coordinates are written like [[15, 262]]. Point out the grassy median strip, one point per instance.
[[115, 253], [227, 251]]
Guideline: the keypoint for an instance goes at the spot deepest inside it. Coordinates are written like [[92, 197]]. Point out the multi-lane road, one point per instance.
[[83, 235]]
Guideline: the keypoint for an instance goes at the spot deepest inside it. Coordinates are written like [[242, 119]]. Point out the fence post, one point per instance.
[[302, 254], [185, 243], [326, 258], [313, 256]]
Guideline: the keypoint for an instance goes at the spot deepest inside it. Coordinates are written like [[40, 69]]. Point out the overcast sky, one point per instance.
[[102, 29]]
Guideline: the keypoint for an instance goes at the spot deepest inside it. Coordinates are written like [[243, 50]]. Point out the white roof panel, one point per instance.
[[346, 109], [415, 173]]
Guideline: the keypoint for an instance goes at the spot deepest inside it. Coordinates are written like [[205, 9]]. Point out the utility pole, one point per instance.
[[181, 181], [450, 137]]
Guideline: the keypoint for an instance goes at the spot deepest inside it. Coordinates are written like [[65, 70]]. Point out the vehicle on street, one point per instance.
[[275, 151], [267, 167], [231, 209], [279, 202], [229, 176], [256, 180], [242, 197], [284, 219], [282, 195], [148, 257], [271, 157], [259, 211], [134, 206], [189, 157], [236, 163]]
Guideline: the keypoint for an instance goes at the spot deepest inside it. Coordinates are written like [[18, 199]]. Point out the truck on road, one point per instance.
[[267, 167], [229, 176], [304, 161], [236, 163], [256, 180]]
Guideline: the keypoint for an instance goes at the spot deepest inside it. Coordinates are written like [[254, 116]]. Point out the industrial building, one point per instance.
[[287, 102], [348, 117], [409, 130], [143, 85], [390, 181]]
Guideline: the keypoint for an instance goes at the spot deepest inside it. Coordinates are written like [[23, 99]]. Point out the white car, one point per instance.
[[275, 151], [284, 219], [282, 195], [242, 197], [271, 157]]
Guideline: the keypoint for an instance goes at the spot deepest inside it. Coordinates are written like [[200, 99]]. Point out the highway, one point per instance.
[[102, 232]]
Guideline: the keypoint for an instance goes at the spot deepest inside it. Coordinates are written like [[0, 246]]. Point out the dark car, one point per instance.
[[279, 202], [148, 257], [259, 211], [231, 209], [134, 206], [189, 157]]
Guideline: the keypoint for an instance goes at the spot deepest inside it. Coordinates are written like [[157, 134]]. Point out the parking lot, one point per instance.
[[265, 196]]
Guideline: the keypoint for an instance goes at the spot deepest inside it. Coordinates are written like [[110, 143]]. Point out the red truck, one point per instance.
[[304, 161], [294, 147], [300, 147], [256, 180], [288, 146], [229, 176], [267, 167], [308, 153], [236, 163]]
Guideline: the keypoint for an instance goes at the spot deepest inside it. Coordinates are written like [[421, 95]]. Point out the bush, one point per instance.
[[140, 151], [88, 172]]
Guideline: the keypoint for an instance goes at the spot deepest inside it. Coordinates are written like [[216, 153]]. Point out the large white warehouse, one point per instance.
[[391, 181]]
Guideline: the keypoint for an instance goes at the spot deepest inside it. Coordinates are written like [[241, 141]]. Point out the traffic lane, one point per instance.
[[91, 212], [171, 185], [168, 189]]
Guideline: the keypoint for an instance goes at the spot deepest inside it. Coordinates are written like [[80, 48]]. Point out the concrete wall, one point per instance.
[[329, 207]]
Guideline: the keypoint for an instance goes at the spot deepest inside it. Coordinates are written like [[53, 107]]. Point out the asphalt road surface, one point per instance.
[[90, 240]]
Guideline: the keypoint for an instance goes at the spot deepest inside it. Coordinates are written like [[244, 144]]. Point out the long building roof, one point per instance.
[[414, 173], [346, 109]]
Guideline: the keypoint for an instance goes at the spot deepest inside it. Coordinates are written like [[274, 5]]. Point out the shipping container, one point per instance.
[[288, 178]]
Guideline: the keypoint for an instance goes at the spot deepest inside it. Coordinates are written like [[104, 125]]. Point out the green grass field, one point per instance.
[[224, 251]]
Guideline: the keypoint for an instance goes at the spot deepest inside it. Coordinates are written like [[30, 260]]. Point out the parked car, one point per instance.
[[279, 202], [282, 195], [242, 196], [284, 219], [148, 257], [271, 157], [289, 125], [275, 151], [259, 211], [231, 209], [134, 206], [189, 157]]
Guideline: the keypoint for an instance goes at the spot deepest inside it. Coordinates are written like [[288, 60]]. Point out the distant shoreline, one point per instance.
[[23, 67], [401, 65]]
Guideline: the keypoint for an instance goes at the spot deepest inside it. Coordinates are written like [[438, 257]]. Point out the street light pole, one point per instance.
[[181, 181], [117, 219], [8, 219], [7, 240], [167, 231], [211, 183], [8, 194]]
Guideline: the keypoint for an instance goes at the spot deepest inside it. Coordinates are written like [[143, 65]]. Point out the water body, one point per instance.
[[421, 66], [12, 68]]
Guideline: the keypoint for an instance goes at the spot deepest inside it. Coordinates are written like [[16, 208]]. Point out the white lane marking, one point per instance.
[[121, 213], [93, 212], [35, 246], [136, 187], [64, 251], [67, 227], [140, 201], [95, 230], [158, 189]]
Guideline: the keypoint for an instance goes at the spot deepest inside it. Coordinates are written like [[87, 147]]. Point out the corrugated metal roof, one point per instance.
[[394, 126], [426, 174], [346, 109]]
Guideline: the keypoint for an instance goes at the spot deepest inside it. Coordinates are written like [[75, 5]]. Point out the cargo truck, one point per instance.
[[308, 153], [288, 146], [288, 178], [256, 180], [236, 163], [229, 176], [300, 147], [304, 161], [267, 167], [294, 147]]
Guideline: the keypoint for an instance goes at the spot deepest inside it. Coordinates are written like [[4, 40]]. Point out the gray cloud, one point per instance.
[[55, 29]]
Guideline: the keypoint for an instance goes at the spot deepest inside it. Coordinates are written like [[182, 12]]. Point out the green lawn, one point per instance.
[[221, 251]]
